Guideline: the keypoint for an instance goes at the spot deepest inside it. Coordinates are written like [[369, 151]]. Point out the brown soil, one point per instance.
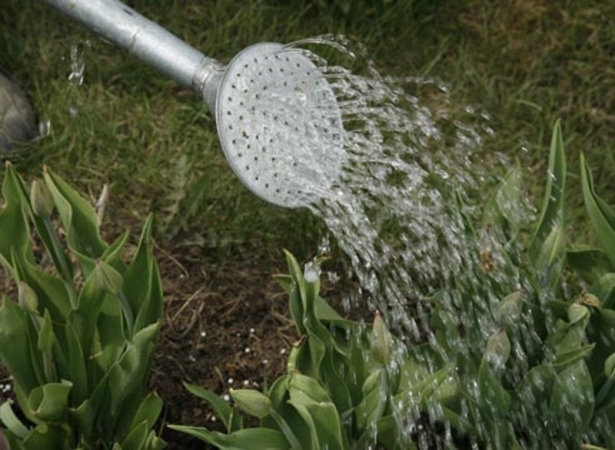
[[226, 326]]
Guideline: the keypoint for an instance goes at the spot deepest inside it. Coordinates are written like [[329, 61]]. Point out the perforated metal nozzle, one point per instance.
[[280, 124]]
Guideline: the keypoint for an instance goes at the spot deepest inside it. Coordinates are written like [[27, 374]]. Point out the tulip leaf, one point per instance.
[[49, 402], [11, 421], [221, 408], [553, 203], [79, 220], [602, 216], [246, 439]]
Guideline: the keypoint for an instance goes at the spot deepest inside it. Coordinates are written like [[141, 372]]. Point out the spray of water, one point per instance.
[[402, 161]]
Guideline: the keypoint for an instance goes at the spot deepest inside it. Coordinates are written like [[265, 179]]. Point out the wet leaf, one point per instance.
[[589, 263], [573, 399], [602, 216], [552, 210]]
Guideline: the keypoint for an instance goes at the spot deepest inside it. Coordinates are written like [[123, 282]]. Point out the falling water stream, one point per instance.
[[390, 210]]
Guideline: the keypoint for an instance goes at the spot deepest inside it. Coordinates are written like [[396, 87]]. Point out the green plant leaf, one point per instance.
[[49, 402], [11, 421], [76, 368], [504, 210], [45, 436], [149, 410], [16, 345], [142, 285], [79, 220], [374, 402], [247, 439], [493, 399], [221, 408], [600, 214], [589, 263], [573, 399], [552, 212], [317, 409], [13, 221], [53, 293], [127, 379], [136, 437], [604, 289]]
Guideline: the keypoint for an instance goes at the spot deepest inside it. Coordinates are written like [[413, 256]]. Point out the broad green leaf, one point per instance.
[[589, 263], [247, 439], [221, 408], [79, 220], [323, 415], [113, 253], [390, 436], [136, 437], [48, 436], [493, 399], [128, 377], [504, 208], [16, 345], [373, 405], [550, 262], [307, 395], [153, 442], [142, 285], [252, 402], [76, 371], [286, 430], [45, 344], [49, 402], [601, 215], [11, 421], [83, 319], [83, 417], [573, 399], [604, 289], [568, 357], [552, 210], [313, 441], [13, 221], [53, 293], [148, 411]]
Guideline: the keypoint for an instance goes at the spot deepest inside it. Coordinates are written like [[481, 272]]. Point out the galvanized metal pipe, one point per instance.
[[148, 41]]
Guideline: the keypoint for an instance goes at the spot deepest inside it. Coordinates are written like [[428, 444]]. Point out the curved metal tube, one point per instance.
[[149, 42]]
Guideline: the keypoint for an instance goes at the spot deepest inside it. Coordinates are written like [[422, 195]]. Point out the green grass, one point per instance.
[[526, 64]]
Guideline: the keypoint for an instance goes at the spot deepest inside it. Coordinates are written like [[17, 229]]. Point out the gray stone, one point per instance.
[[17, 121]]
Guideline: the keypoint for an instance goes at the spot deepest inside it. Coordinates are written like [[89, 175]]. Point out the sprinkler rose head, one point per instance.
[[279, 124]]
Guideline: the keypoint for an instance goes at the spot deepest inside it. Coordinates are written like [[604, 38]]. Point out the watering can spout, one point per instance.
[[149, 42]]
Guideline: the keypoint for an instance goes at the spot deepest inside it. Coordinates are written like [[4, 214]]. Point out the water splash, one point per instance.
[[404, 158], [76, 75]]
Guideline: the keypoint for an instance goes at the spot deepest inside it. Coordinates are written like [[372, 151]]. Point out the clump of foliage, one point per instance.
[[518, 356], [79, 340], [530, 352], [338, 391]]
